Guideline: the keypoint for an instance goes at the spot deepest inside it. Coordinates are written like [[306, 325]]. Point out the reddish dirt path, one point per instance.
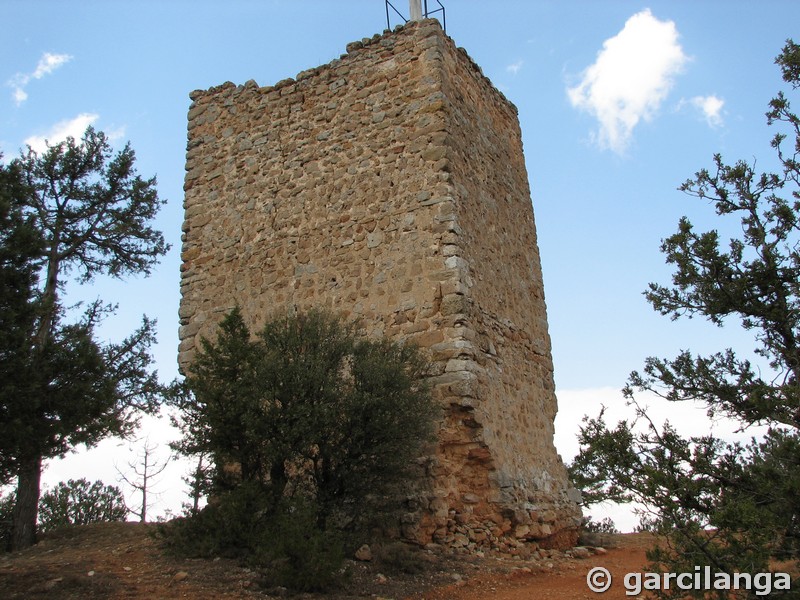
[[567, 581]]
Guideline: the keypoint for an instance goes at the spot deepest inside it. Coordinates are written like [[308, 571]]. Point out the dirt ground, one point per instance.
[[124, 560], [566, 580]]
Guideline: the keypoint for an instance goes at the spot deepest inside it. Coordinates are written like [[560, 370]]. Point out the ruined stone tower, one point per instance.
[[390, 185]]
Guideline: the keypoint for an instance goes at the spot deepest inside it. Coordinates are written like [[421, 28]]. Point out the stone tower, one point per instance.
[[390, 185]]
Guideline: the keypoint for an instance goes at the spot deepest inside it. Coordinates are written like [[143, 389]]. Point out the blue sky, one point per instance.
[[619, 103]]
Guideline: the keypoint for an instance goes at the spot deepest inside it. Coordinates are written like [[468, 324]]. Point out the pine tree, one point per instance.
[[731, 506], [91, 212], [78, 502]]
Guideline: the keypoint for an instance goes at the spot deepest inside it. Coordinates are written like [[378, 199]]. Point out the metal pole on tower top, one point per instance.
[[415, 10]]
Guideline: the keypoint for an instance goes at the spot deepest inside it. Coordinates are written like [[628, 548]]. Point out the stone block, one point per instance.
[[454, 304]]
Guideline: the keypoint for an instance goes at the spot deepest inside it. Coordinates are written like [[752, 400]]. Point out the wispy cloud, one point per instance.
[[59, 132], [514, 68], [48, 63], [115, 134], [711, 108], [630, 79]]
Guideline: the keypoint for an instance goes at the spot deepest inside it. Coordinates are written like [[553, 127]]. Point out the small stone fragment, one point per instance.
[[179, 576], [364, 553], [53, 583], [581, 552]]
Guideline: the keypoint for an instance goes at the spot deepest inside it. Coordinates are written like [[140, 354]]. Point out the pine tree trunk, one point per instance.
[[27, 504], [197, 487], [29, 474]]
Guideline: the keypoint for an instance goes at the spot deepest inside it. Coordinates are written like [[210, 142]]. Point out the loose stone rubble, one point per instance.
[[390, 185]]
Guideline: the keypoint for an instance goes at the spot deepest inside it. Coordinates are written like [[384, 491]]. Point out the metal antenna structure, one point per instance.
[[417, 9]]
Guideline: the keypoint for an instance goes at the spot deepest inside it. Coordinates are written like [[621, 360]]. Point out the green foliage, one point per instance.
[[308, 396], [300, 556], [606, 525], [6, 521], [20, 248], [199, 483], [92, 207], [78, 502], [306, 415], [734, 507], [71, 503], [284, 541], [79, 208], [234, 524]]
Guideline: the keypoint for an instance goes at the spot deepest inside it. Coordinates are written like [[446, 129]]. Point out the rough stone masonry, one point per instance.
[[390, 185]]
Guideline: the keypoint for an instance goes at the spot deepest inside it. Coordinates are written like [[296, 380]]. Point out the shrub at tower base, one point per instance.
[[314, 433]]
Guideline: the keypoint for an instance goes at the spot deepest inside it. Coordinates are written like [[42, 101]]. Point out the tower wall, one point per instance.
[[390, 185]]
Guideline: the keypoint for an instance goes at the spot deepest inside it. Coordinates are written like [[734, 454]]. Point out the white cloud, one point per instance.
[[48, 63], [20, 96], [115, 134], [630, 79], [711, 107], [514, 67], [59, 132]]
